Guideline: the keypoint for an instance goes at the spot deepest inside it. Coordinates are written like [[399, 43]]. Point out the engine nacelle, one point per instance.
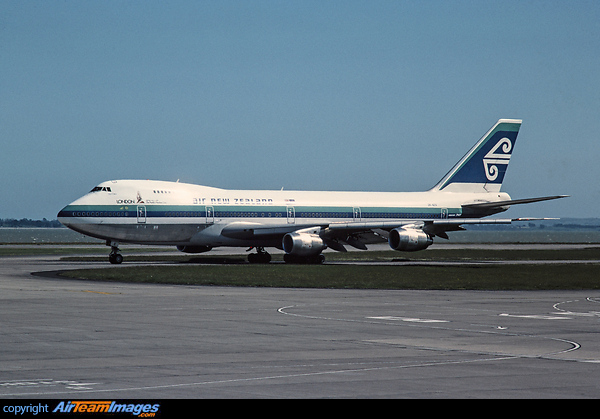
[[193, 249], [303, 244], [409, 240]]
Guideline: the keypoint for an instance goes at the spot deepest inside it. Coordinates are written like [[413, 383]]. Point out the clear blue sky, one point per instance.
[[326, 95]]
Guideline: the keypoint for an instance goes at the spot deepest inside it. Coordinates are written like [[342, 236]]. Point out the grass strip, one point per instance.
[[460, 255], [493, 277]]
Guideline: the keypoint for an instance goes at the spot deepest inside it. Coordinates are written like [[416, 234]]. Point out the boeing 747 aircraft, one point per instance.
[[198, 218]]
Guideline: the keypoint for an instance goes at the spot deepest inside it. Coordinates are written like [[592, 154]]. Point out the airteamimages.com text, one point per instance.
[[141, 410]]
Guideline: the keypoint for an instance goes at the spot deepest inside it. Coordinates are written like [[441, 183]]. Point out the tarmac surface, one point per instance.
[[70, 339]]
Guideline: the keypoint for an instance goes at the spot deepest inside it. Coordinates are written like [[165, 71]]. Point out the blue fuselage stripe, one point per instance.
[[109, 211]]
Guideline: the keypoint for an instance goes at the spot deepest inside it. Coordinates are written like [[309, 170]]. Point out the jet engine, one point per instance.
[[303, 244], [194, 249], [409, 240]]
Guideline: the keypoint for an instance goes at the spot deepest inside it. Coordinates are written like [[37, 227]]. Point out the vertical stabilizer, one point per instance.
[[483, 168]]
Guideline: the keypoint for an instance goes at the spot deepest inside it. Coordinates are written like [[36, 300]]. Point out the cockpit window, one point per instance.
[[101, 188]]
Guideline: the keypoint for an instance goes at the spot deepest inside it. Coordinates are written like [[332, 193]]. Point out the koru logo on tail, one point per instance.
[[499, 154]]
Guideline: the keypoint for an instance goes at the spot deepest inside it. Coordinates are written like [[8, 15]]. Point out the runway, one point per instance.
[[73, 339]]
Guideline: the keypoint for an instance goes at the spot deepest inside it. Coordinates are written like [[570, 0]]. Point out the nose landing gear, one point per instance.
[[114, 257]]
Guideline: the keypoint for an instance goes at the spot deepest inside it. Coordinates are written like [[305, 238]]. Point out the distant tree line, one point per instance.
[[26, 222]]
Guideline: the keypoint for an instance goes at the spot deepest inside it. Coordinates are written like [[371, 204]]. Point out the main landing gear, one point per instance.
[[261, 256], [115, 257]]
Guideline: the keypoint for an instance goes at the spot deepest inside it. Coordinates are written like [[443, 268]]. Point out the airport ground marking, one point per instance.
[[275, 377], [408, 319], [576, 313], [535, 316]]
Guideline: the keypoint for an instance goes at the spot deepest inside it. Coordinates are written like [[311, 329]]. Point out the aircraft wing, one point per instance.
[[431, 227], [441, 227], [249, 230], [357, 234]]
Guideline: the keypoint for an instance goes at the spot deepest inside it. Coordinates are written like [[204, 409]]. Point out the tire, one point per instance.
[[115, 259]]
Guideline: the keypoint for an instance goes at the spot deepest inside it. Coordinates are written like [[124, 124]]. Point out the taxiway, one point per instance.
[[79, 339]]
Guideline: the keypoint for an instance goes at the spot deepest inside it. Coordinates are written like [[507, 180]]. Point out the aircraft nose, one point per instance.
[[64, 215]]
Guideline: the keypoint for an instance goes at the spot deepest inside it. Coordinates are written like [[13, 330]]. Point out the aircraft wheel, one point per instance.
[[115, 258]]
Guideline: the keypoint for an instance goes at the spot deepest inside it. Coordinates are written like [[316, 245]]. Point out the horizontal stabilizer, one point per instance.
[[498, 204]]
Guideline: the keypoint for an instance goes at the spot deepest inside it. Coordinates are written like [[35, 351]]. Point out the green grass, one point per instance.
[[212, 270], [444, 277], [377, 256], [100, 253]]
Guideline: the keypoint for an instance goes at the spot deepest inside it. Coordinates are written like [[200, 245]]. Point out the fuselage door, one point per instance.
[[444, 214], [356, 214], [210, 215], [291, 215], [141, 214]]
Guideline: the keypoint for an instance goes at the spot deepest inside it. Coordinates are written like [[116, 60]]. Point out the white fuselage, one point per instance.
[[158, 212]]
